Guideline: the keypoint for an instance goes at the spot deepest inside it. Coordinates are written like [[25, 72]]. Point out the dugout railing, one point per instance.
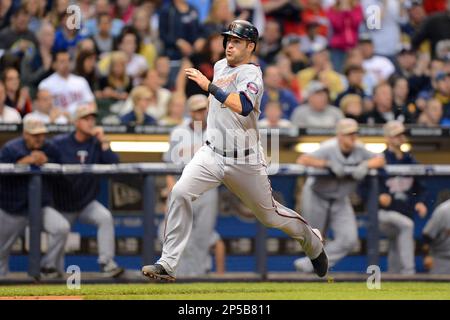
[[150, 170]]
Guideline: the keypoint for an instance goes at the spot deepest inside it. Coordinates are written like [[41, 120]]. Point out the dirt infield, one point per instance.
[[42, 298]]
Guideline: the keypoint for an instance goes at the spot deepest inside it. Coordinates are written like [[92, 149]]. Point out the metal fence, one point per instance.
[[149, 170]]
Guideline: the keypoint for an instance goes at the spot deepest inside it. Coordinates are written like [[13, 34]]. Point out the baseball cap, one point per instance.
[[347, 126], [406, 48], [393, 128], [314, 87], [365, 37], [197, 102], [441, 75], [290, 39], [408, 4], [84, 110], [33, 125]]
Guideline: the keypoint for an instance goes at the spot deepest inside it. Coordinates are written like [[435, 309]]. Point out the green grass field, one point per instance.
[[241, 291]]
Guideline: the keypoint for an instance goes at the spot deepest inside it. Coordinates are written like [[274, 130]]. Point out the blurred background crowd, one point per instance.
[[371, 60]]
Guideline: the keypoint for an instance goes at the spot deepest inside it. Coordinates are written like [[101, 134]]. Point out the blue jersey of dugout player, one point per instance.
[[406, 195], [30, 149], [75, 196], [87, 145], [399, 198]]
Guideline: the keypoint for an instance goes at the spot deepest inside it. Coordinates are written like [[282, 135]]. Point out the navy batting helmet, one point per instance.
[[241, 29]]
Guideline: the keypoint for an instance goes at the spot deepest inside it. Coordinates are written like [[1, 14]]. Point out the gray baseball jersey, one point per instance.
[[248, 179], [228, 130], [330, 187], [438, 228]]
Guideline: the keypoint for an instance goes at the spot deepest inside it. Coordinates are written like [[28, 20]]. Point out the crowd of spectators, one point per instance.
[[322, 60]]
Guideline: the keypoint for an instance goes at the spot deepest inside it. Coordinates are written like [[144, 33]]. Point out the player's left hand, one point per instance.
[[195, 75], [421, 209]]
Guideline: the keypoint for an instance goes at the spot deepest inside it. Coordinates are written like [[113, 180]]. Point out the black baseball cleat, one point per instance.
[[320, 264], [157, 271]]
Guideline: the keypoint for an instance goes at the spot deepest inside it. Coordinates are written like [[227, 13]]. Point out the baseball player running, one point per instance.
[[232, 155], [326, 200]]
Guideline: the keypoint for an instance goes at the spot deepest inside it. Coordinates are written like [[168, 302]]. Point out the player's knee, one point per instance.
[[105, 218]]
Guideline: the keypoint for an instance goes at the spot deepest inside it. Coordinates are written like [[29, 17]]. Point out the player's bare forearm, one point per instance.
[[233, 102], [310, 161], [376, 162]]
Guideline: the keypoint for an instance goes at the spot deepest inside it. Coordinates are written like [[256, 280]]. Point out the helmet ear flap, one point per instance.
[[225, 39]]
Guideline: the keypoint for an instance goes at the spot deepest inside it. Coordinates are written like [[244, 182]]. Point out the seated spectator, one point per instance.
[[313, 13], [157, 106], [317, 112], [218, 19], [31, 149], [34, 68], [17, 38], [85, 66], [140, 96], [289, 78], [45, 112], [273, 91], [204, 61], [180, 25], [175, 111], [380, 67], [36, 10], [402, 103], [352, 107], [129, 43], [273, 117], [292, 50], [321, 64], [354, 74], [355, 57], [92, 25], [7, 114], [442, 92], [103, 38], [162, 67], [345, 18], [75, 196], [141, 22], [431, 116], [383, 106], [68, 90], [17, 97], [312, 39], [123, 10], [270, 44], [67, 37], [117, 84]]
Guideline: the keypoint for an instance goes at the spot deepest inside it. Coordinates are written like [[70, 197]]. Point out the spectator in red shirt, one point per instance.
[[345, 18]]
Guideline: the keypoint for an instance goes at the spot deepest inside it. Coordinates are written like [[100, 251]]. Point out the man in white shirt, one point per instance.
[[68, 90], [380, 67], [44, 110], [7, 114]]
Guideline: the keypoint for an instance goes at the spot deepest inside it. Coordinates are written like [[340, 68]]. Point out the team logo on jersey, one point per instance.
[[252, 87]]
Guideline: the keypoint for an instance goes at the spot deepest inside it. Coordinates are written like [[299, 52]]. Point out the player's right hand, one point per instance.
[[39, 157], [385, 200]]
